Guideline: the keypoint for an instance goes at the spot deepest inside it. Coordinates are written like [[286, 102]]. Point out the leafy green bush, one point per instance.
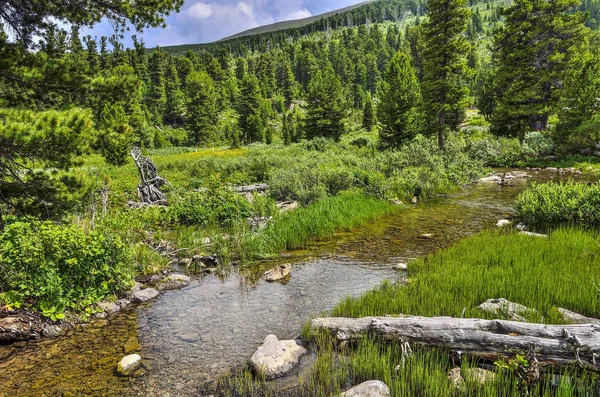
[[216, 206], [57, 267], [552, 204], [537, 144]]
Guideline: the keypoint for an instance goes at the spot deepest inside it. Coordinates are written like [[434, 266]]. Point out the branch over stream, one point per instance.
[[560, 345]]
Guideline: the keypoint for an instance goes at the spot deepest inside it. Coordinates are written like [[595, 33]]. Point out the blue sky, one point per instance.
[[202, 21]]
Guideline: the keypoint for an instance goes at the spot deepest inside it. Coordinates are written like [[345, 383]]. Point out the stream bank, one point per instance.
[[190, 336]]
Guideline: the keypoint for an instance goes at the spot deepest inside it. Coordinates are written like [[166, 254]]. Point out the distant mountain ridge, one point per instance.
[[296, 23]]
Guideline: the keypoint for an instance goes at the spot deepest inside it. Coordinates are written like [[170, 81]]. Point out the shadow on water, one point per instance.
[[188, 337]]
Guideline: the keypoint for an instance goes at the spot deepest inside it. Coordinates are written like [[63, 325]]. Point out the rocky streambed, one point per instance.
[[187, 337]]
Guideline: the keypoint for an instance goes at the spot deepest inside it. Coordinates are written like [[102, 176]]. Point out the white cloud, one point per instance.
[[200, 11]]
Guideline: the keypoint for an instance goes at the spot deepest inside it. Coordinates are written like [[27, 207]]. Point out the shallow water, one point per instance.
[[190, 336]]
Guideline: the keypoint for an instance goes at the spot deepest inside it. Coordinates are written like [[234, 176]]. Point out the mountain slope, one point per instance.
[[297, 23]]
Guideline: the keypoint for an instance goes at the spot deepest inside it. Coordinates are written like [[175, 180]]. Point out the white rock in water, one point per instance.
[[275, 358], [530, 234], [278, 273], [503, 223], [401, 266], [129, 364], [174, 281], [371, 388], [493, 178], [145, 295]]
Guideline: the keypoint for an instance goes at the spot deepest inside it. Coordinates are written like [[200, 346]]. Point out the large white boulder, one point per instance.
[[275, 358], [371, 388], [129, 364]]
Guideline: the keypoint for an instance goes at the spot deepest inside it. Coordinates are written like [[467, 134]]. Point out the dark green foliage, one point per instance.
[[251, 122], [368, 120], [201, 108], [53, 268], [217, 206], [555, 204], [400, 104], [326, 107], [532, 51], [445, 67], [579, 104], [36, 140]]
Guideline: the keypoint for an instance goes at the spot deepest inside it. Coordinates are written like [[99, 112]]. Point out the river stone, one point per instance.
[[51, 330], [401, 266], [493, 178], [503, 223], [137, 287], [371, 388], [190, 338], [131, 345], [109, 307], [174, 281], [478, 375], [15, 329], [503, 306], [577, 318], [123, 303], [145, 295], [275, 358], [278, 273], [455, 377], [129, 364], [427, 236]]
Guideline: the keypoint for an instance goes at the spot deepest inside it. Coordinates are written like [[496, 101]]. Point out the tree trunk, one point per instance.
[[561, 345]]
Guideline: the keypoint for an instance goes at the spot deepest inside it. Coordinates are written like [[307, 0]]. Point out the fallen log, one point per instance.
[[251, 189], [560, 345]]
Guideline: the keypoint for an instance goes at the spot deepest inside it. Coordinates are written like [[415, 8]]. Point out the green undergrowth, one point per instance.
[[322, 219], [555, 204]]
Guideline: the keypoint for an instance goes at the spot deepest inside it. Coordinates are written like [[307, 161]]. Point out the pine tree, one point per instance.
[[157, 97], [444, 89], [532, 54], [175, 104], [202, 108], [368, 114], [325, 111], [251, 120], [400, 101], [580, 101]]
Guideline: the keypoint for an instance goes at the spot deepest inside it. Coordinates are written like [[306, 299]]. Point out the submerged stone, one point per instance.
[[278, 273], [129, 364], [131, 345], [174, 281]]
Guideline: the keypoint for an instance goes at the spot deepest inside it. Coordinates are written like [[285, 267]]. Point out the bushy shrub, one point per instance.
[[553, 204], [57, 267], [215, 206], [537, 144], [302, 181]]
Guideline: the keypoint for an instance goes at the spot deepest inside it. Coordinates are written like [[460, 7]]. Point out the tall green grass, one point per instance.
[[319, 220], [561, 271]]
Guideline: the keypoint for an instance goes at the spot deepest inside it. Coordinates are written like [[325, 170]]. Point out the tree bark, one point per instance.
[[560, 345]]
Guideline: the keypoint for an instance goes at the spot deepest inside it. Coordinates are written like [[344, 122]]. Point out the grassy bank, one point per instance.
[[561, 271]]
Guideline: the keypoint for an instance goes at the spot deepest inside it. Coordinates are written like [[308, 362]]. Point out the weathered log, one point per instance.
[[552, 344], [251, 188]]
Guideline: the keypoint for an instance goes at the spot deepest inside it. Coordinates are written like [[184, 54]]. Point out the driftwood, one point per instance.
[[560, 345], [149, 190]]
